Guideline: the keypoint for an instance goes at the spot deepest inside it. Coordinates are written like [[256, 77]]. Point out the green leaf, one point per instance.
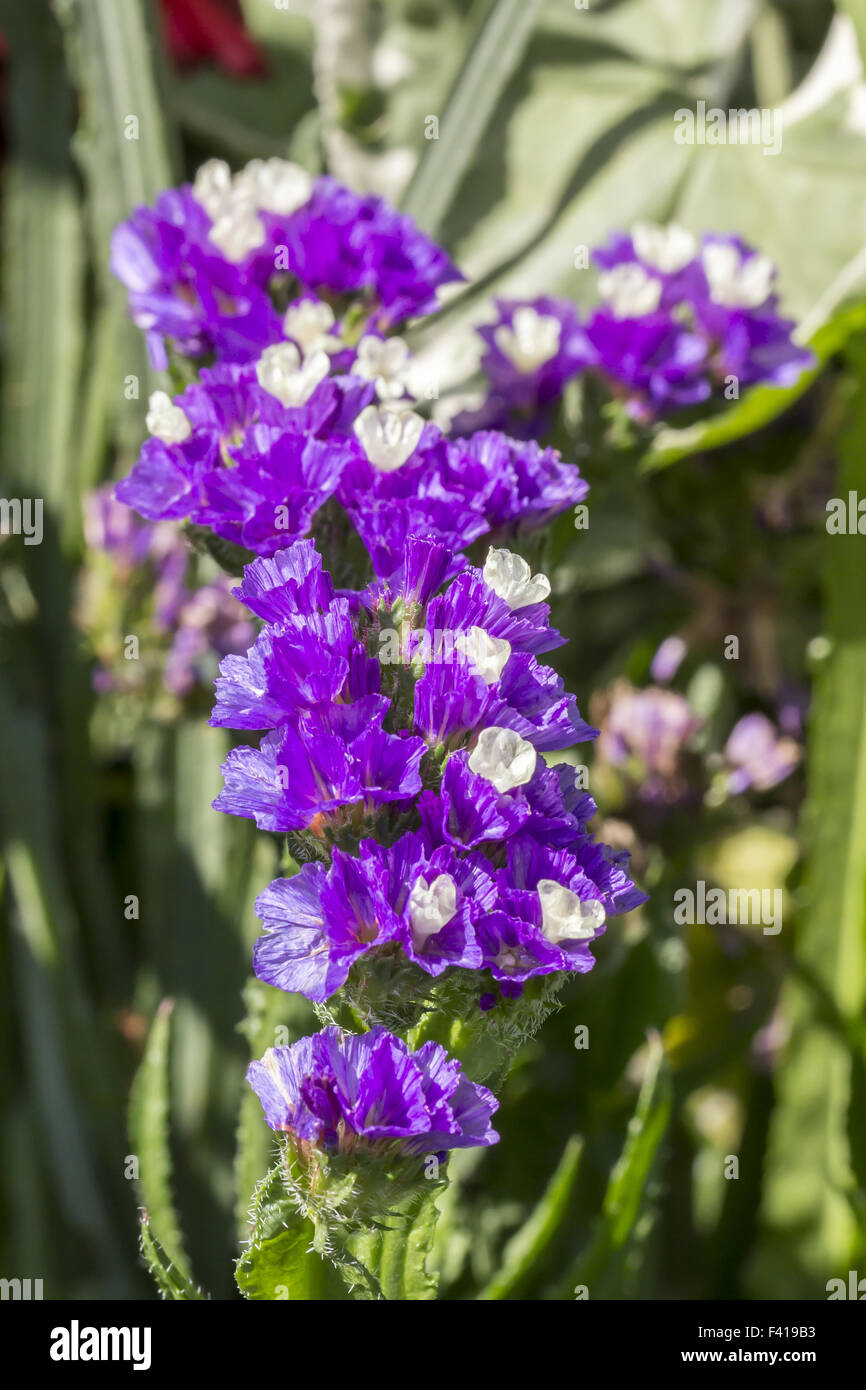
[[172, 1281], [529, 1244], [111, 54], [759, 406], [808, 1218], [148, 1131], [396, 1256], [279, 1263], [490, 63], [603, 1267]]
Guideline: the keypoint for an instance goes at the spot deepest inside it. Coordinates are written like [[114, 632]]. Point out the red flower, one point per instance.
[[198, 31]]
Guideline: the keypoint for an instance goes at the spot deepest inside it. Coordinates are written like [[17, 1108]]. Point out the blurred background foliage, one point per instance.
[[704, 1042]]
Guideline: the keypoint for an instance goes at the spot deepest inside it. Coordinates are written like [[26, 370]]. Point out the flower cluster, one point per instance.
[[469, 850], [286, 287], [647, 739], [678, 318], [136, 579], [405, 716], [338, 1092], [207, 266]]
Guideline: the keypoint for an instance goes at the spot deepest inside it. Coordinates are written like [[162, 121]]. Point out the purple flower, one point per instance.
[[757, 756], [660, 364], [203, 265], [534, 348], [318, 764], [320, 922], [645, 733], [336, 1091]]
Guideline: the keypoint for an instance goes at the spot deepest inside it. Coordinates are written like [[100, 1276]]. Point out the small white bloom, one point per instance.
[[487, 654], [387, 437], [212, 186], [385, 361], [735, 281], [308, 323], [503, 758], [564, 916], [630, 291], [237, 229], [509, 576], [431, 907], [165, 420], [275, 185], [281, 373], [667, 249], [530, 340]]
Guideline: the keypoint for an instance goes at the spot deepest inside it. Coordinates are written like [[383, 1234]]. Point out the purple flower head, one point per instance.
[[534, 348], [645, 733], [757, 756], [336, 1091], [231, 455], [320, 922], [200, 625], [202, 266], [319, 763]]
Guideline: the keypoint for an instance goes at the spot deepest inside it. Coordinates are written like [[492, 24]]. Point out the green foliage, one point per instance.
[[611, 1259], [810, 1215], [148, 1132], [529, 1244]]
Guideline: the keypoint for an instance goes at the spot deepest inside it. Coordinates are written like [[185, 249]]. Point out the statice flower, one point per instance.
[[645, 735], [404, 747], [531, 352], [253, 453], [678, 319], [758, 756], [136, 578], [208, 267], [335, 1091]]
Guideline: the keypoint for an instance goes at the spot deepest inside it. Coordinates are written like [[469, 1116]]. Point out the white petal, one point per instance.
[[565, 916], [487, 654], [387, 437], [632, 293], [509, 576], [530, 340], [667, 249], [431, 907], [212, 186], [503, 758], [280, 372], [165, 420]]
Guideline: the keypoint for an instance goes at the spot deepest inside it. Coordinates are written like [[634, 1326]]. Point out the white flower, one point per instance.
[[503, 758], [165, 420], [509, 576], [488, 655], [564, 916], [385, 361], [387, 437], [275, 185], [212, 186], [530, 340], [237, 229], [737, 282], [630, 290], [308, 323], [667, 249], [281, 373], [431, 907]]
